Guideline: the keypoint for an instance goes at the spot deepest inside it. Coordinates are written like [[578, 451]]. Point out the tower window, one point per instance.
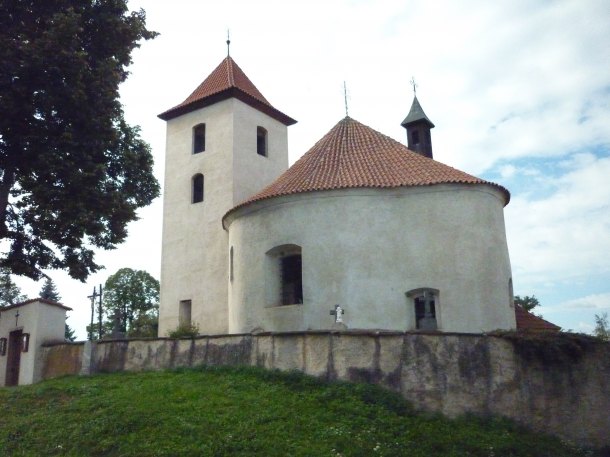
[[197, 185], [184, 313], [261, 141], [425, 302], [198, 138], [415, 137]]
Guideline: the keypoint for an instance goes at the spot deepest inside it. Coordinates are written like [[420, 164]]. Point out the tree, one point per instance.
[[49, 291], [602, 328], [10, 293], [69, 333], [528, 303], [132, 298], [72, 171]]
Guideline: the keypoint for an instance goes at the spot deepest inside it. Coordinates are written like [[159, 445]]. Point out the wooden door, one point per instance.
[[15, 342]]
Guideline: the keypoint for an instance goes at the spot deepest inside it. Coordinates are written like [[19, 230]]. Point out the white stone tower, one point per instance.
[[224, 143]]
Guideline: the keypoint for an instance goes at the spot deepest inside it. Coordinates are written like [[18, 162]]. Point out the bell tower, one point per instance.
[[418, 128], [224, 143]]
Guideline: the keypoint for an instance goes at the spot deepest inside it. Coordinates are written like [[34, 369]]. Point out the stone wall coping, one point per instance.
[[62, 343]]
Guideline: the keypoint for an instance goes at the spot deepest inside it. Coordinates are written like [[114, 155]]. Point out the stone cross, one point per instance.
[[338, 312]]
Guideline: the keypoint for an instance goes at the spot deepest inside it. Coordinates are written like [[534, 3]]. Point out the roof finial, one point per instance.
[[414, 84], [228, 43], [345, 97]]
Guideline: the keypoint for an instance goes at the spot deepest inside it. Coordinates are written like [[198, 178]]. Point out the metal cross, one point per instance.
[[17, 317], [338, 312], [345, 97], [414, 84], [228, 42]]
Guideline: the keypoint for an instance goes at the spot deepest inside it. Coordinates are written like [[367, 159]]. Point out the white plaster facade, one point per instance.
[[195, 246], [44, 322], [365, 249]]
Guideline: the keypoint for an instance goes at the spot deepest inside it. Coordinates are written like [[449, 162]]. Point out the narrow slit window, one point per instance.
[[231, 264], [198, 138], [261, 141], [197, 184]]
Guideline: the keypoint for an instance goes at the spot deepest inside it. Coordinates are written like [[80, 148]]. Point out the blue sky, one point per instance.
[[519, 91]]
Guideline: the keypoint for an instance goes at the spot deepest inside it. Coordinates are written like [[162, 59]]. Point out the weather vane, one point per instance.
[[228, 42], [414, 84], [345, 98]]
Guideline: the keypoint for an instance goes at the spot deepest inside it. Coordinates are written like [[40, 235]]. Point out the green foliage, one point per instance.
[[10, 293], [185, 331], [602, 329], [244, 411], [69, 334], [132, 297], [72, 171], [49, 291], [550, 347], [528, 303]]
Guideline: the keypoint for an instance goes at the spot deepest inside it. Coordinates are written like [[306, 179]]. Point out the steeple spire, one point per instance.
[[228, 43], [418, 127]]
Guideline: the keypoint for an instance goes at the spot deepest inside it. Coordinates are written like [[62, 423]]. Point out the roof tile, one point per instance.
[[227, 79], [531, 322], [353, 155]]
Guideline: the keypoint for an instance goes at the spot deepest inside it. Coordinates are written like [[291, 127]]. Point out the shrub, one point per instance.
[[185, 331]]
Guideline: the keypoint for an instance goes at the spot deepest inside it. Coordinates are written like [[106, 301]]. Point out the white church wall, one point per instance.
[[195, 250], [194, 244], [251, 171], [365, 248]]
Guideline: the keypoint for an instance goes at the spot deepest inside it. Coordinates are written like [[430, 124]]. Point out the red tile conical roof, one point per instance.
[[227, 80], [353, 155], [530, 322]]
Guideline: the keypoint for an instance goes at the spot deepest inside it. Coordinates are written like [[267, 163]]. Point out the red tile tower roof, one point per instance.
[[227, 80], [353, 155], [530, 322]]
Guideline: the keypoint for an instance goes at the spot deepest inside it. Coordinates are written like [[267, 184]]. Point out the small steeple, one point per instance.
[[418, 128]]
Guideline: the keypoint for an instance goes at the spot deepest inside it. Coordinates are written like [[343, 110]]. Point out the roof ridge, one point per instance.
[[230, 78]]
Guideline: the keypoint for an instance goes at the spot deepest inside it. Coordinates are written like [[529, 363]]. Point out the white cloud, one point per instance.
[[564, 236], [590, 302], [501, 80]]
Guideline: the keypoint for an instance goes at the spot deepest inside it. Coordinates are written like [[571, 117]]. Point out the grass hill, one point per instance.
[[242, 412]]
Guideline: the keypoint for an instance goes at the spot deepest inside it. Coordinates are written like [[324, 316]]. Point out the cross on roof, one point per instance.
[[414, 84]]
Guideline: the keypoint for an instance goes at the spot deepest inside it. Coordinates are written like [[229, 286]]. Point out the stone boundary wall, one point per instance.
[[448, 373]]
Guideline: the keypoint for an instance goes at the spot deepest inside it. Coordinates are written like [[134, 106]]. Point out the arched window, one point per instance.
[[197, 185], [425, 304], [198, 138], [261, 141], [285, 281]]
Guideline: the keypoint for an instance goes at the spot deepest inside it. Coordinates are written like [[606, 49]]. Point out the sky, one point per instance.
[[519, 91]]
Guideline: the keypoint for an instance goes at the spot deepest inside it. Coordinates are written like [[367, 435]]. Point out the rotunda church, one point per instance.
[[362, 232]]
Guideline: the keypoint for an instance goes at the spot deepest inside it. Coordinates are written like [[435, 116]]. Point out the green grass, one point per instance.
[[241, 412]]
